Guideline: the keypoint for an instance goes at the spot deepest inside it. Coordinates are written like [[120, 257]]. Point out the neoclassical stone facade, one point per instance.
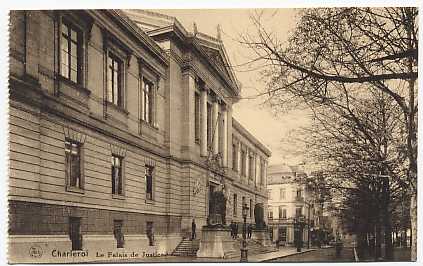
[[118, 133]]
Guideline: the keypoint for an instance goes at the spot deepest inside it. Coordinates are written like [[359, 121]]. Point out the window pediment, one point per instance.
[[111, 42]]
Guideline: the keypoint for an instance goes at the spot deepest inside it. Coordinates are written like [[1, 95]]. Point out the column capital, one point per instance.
[[224, 106], [217, 99]]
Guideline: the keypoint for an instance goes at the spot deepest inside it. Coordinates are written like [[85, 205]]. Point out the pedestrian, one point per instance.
[[250, 230], [231, 226], [193, 227]]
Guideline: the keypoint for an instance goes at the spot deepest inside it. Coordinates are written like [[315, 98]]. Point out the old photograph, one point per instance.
[[213, 135]]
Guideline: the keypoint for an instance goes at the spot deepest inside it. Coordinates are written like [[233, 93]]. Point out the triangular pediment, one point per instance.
[[217, 55]]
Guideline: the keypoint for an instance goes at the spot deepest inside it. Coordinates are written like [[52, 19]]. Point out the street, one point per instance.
[[320, 255]]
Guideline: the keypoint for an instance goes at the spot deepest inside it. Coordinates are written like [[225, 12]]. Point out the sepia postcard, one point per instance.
[[213, 135]]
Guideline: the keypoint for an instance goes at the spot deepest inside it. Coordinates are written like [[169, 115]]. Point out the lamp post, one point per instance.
[[308, 226], [298, 232], [244, 250]]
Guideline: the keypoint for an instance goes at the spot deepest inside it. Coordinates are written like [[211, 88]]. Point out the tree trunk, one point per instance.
[[412, 140], [378, 244], [387, 223], [413, 217]]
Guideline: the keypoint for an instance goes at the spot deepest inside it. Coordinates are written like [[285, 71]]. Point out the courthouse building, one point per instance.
[[120, 126]]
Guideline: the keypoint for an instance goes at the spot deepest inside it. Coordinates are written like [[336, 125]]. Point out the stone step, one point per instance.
[[187, 247]]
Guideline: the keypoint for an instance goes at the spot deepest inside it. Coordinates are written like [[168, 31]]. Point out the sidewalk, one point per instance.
[[282, 252]]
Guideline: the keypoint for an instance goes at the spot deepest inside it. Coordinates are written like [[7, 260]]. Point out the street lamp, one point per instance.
[[244, 250], [308, 224], [298, 232]]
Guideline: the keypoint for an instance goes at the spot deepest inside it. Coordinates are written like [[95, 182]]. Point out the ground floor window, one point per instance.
[[283, 234], [150, 233], [118, 233], [270, 233], [75, 233]]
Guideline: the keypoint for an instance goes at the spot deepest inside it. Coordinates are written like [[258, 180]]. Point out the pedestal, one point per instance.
[[215, 243], [262, 236]]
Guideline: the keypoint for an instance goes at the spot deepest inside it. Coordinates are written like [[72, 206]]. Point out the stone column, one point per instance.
[[247, 165], [265, 173], [255, 171], [203, 111], [259, 171], [239, 163], [156, 89], [225, 137], [215, 126], [253, 164], [188, 144]]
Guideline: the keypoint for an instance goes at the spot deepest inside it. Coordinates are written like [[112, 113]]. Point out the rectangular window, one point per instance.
[[70, 52], [220, 134], [262, 173], [148, 101], [280, 212], [251, 167], [197, 116], [298, 196], [282, 193], [149, 182], [243, 162], [251, 208], [150, 233], [209, 125], [282, 234], [114, 80], [283, 213], [118, 233], [234, 157], [73, 163], [235, 204], [298, 211], [117, 182], [270, 215], [75, 233], [243, 202]]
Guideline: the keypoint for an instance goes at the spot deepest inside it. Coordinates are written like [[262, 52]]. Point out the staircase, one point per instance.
[[187, 248]]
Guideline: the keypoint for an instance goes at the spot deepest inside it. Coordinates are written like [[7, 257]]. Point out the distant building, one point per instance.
[[288, 199]]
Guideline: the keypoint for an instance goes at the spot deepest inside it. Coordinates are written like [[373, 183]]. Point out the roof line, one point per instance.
[[250, 136]]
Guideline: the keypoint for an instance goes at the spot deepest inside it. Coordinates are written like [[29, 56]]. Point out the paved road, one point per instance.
[[320, 255], [400, 254]]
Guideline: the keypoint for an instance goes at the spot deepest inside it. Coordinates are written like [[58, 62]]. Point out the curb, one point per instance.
[[284, 256]]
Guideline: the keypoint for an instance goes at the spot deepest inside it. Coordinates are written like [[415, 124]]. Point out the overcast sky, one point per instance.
[[258, 119]]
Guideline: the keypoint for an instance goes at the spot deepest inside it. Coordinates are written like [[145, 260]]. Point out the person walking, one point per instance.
[[193, 227], [232, 226], [250, 230]]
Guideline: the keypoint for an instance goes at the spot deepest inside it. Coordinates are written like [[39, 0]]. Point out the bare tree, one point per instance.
[[335, 55], [353, 155]]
